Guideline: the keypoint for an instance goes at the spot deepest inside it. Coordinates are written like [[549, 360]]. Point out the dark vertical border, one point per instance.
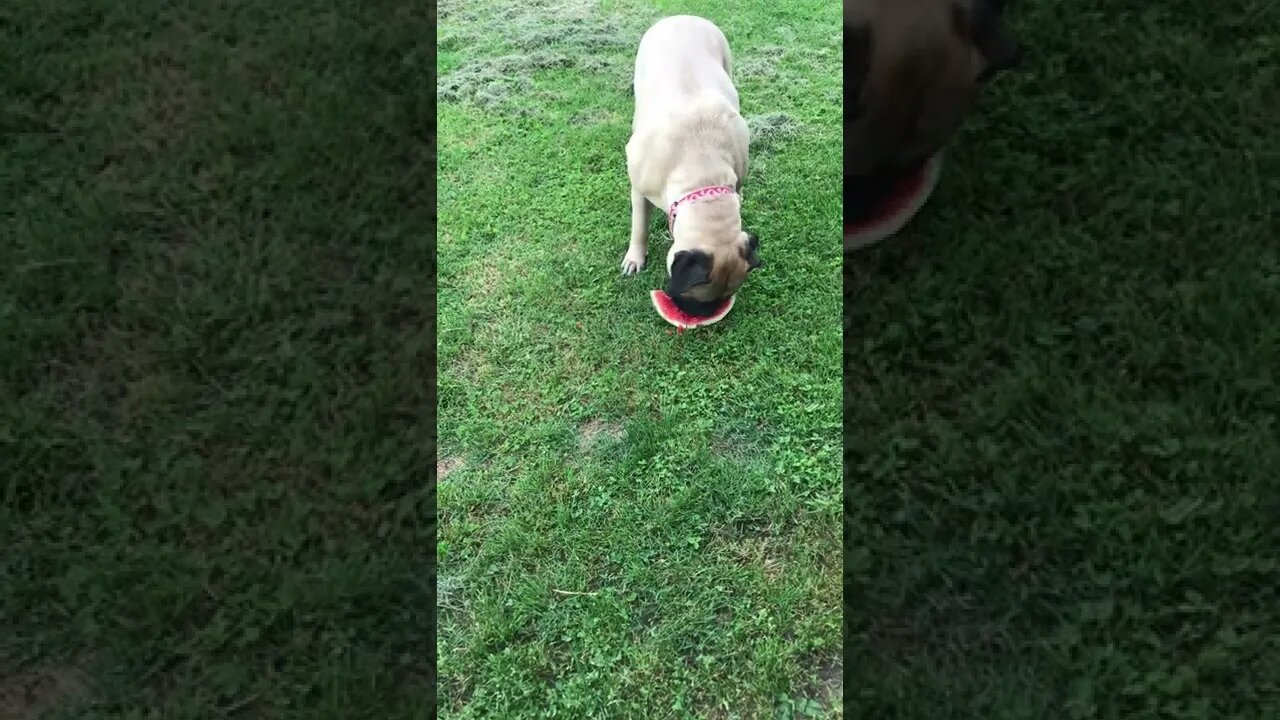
[[430, 119]]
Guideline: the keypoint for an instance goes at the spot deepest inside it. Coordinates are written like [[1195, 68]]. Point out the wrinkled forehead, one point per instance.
[[729, 267]]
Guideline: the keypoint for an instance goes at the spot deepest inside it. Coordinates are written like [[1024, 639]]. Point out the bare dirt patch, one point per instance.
[[445, 466], [485, 279], [594, 432], [830, 690], [31, 695], [759, 552], [467, 364]]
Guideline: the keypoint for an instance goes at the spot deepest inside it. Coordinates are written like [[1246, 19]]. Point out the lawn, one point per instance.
[[215, 343], [634, 523], [1063, 458]]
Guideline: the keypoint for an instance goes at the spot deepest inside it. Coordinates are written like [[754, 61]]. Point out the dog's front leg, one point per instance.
[[633, 261]]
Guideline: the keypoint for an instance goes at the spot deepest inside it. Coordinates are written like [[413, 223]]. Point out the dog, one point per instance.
[[688, 155], [913, 71]]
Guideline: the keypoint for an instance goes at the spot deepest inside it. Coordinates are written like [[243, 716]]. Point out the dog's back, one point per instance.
[[679, 58]]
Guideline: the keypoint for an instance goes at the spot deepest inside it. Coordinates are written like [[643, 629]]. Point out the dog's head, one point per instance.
[[704, 275], [913, 69]]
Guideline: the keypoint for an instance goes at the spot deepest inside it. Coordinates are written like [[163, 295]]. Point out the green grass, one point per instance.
[[1063, 468], [633, 523], [215, 335], [215, 397]]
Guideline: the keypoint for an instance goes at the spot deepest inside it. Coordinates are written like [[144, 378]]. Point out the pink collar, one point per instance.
[[699, 194]]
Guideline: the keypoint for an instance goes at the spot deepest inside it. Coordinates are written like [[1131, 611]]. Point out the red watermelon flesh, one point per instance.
[[670, 312], [895, 210]]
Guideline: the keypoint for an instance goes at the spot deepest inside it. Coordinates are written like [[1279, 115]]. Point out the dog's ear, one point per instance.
[[689, 269], [857, 63], [753, 251], [985, 27]]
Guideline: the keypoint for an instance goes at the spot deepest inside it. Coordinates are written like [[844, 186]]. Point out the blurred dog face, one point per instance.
[[702, 277], [913, 69]]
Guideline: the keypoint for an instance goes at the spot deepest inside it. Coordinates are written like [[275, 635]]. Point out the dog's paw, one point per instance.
[[632, 263]]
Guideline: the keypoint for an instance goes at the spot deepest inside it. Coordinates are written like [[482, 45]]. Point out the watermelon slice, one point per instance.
[[900, 200], [670, 312]]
